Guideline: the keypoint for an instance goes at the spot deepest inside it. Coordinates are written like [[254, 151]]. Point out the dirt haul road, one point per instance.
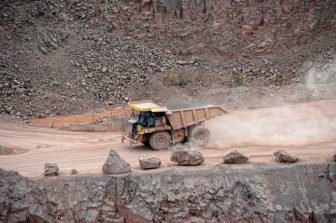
[[307, 130]]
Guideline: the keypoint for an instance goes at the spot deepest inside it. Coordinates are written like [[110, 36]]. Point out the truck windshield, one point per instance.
[[142, 117], [147, 119]]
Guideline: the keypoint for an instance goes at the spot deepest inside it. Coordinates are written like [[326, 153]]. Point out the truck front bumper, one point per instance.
[[127, 139]]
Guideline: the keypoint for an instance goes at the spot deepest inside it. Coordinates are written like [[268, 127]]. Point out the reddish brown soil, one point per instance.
[[60, 121]]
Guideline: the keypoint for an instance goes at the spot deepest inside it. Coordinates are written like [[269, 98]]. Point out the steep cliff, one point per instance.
[[290, 193]]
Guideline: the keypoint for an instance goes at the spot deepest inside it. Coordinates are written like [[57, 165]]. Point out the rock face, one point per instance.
[[104, 64], [49, 200], [235, 157], [151, 162], [216, 194], [187, 157], [115, 164], [285, 157], [51, 169]]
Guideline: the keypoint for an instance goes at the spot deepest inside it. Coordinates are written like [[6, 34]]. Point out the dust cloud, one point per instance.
[[289, 125], [320, 75]]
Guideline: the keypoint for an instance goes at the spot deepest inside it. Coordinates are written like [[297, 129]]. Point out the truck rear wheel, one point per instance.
[[199, 135], [160, 140]]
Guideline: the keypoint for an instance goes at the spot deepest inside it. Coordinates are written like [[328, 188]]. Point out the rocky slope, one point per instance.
[[61, 57], [291, 193]]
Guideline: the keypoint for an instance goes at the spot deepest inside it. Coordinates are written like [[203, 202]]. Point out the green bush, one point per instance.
[[238, 80], [176, 79], [280, 78]]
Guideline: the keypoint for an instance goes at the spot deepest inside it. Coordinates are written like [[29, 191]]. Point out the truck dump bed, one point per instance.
[[181, 116]]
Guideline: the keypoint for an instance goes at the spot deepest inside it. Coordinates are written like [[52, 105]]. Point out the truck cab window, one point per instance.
[[146, 119]]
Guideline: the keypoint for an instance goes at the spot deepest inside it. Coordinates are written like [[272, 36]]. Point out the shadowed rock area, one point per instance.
[[219, 194]]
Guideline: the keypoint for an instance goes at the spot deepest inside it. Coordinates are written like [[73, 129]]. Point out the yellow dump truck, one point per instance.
[[161, 126]]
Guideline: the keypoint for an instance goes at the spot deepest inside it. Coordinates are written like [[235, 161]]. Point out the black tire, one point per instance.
[[160, 140], [200, 135], [146, 143]]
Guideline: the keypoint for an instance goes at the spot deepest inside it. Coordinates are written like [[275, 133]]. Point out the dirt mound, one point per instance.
[[109, 119], [4, 150]]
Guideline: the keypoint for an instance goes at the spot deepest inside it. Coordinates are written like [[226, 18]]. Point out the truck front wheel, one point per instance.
[[160, 140], [199, 135]]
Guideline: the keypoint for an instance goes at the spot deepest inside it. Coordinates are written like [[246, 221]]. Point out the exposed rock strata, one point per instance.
[[222, 194]]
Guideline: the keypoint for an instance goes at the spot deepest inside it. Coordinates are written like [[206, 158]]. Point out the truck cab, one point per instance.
[[147, 118]]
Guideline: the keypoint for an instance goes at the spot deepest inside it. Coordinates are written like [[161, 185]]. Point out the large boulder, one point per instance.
[[151, 162], [115, 164], [187, 157], [285, 157], [51, 169], [235, 157]]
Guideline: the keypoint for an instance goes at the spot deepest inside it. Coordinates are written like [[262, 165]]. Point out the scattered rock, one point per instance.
[[285, 157], [74, 171], [247, 29], [182, 62], [187, 157], [151, 162], [319, 217], [335, 155], [51, 169], [235, 157], [104, 69], [43, 50], [115, 164], [299, 215]]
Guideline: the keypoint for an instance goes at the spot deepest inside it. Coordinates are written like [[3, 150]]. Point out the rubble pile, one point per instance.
[[61, 57]]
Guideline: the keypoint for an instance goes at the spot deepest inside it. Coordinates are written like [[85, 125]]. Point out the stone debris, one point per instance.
[[74, 171], [151, 162], [51, 169], [235, 157], [73, 66], [285, 157], [300, 216], [115, 164], [187, 157], [335, 155]]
